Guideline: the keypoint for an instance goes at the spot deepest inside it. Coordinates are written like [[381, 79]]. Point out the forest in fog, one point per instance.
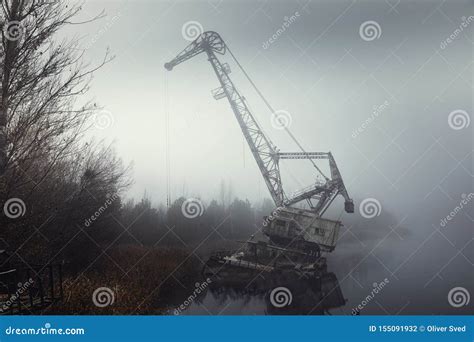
[[64, 192], [126, 176]]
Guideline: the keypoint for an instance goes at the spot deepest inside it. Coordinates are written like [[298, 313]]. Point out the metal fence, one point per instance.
[[28, 290]]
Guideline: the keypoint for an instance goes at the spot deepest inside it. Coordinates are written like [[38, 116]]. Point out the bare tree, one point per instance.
[[44, 159], [41, 81], [10, 14]]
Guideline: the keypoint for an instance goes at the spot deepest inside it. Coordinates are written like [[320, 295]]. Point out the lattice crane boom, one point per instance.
[[263, 150]]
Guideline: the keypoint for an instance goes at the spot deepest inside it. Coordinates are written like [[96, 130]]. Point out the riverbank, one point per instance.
[[130, 280]]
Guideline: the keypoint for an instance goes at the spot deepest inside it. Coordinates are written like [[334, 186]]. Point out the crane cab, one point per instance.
[[301, 228]]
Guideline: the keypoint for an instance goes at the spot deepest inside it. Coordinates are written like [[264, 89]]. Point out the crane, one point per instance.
[[319, 195]]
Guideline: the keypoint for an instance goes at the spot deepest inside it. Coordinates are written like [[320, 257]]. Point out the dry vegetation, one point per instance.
[[62, 178], [146, 289]]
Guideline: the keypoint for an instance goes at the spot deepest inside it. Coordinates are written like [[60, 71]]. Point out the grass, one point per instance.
[[140, 280]]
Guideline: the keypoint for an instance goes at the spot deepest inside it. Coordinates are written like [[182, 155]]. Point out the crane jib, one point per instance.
[[319, 195]]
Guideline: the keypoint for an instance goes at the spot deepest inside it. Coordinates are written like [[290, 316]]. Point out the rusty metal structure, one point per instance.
[[294, 233]]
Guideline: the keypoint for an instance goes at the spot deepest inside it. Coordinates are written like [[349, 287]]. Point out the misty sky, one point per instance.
[[411, 156], [319, 70]]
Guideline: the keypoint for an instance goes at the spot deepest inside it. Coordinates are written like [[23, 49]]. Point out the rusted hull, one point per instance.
[[244, 271]]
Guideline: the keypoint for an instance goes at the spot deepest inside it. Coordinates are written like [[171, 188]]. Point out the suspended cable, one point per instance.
[[273, 112], [167, 141]]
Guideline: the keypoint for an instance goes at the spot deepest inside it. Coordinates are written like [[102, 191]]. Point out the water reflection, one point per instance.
[[285, 293]]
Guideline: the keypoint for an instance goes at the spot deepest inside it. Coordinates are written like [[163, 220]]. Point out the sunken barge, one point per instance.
[[292, 242]]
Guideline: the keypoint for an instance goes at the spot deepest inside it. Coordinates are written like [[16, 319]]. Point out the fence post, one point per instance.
[[40, 289], [18, 299], [61, 281], [51, 282], [29, 288]]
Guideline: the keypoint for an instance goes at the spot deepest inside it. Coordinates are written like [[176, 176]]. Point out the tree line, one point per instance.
[[63, 193]]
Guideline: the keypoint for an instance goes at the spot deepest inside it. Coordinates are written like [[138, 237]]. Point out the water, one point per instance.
[[284, 294]]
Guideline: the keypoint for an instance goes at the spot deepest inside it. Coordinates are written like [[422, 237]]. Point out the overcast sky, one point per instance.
[[320, 70], [414, 156]]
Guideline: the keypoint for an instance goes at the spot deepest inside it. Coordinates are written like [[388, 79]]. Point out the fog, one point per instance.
[[321, 71]]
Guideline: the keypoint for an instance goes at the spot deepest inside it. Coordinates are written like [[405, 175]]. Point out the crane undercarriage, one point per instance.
[[293, 240]]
